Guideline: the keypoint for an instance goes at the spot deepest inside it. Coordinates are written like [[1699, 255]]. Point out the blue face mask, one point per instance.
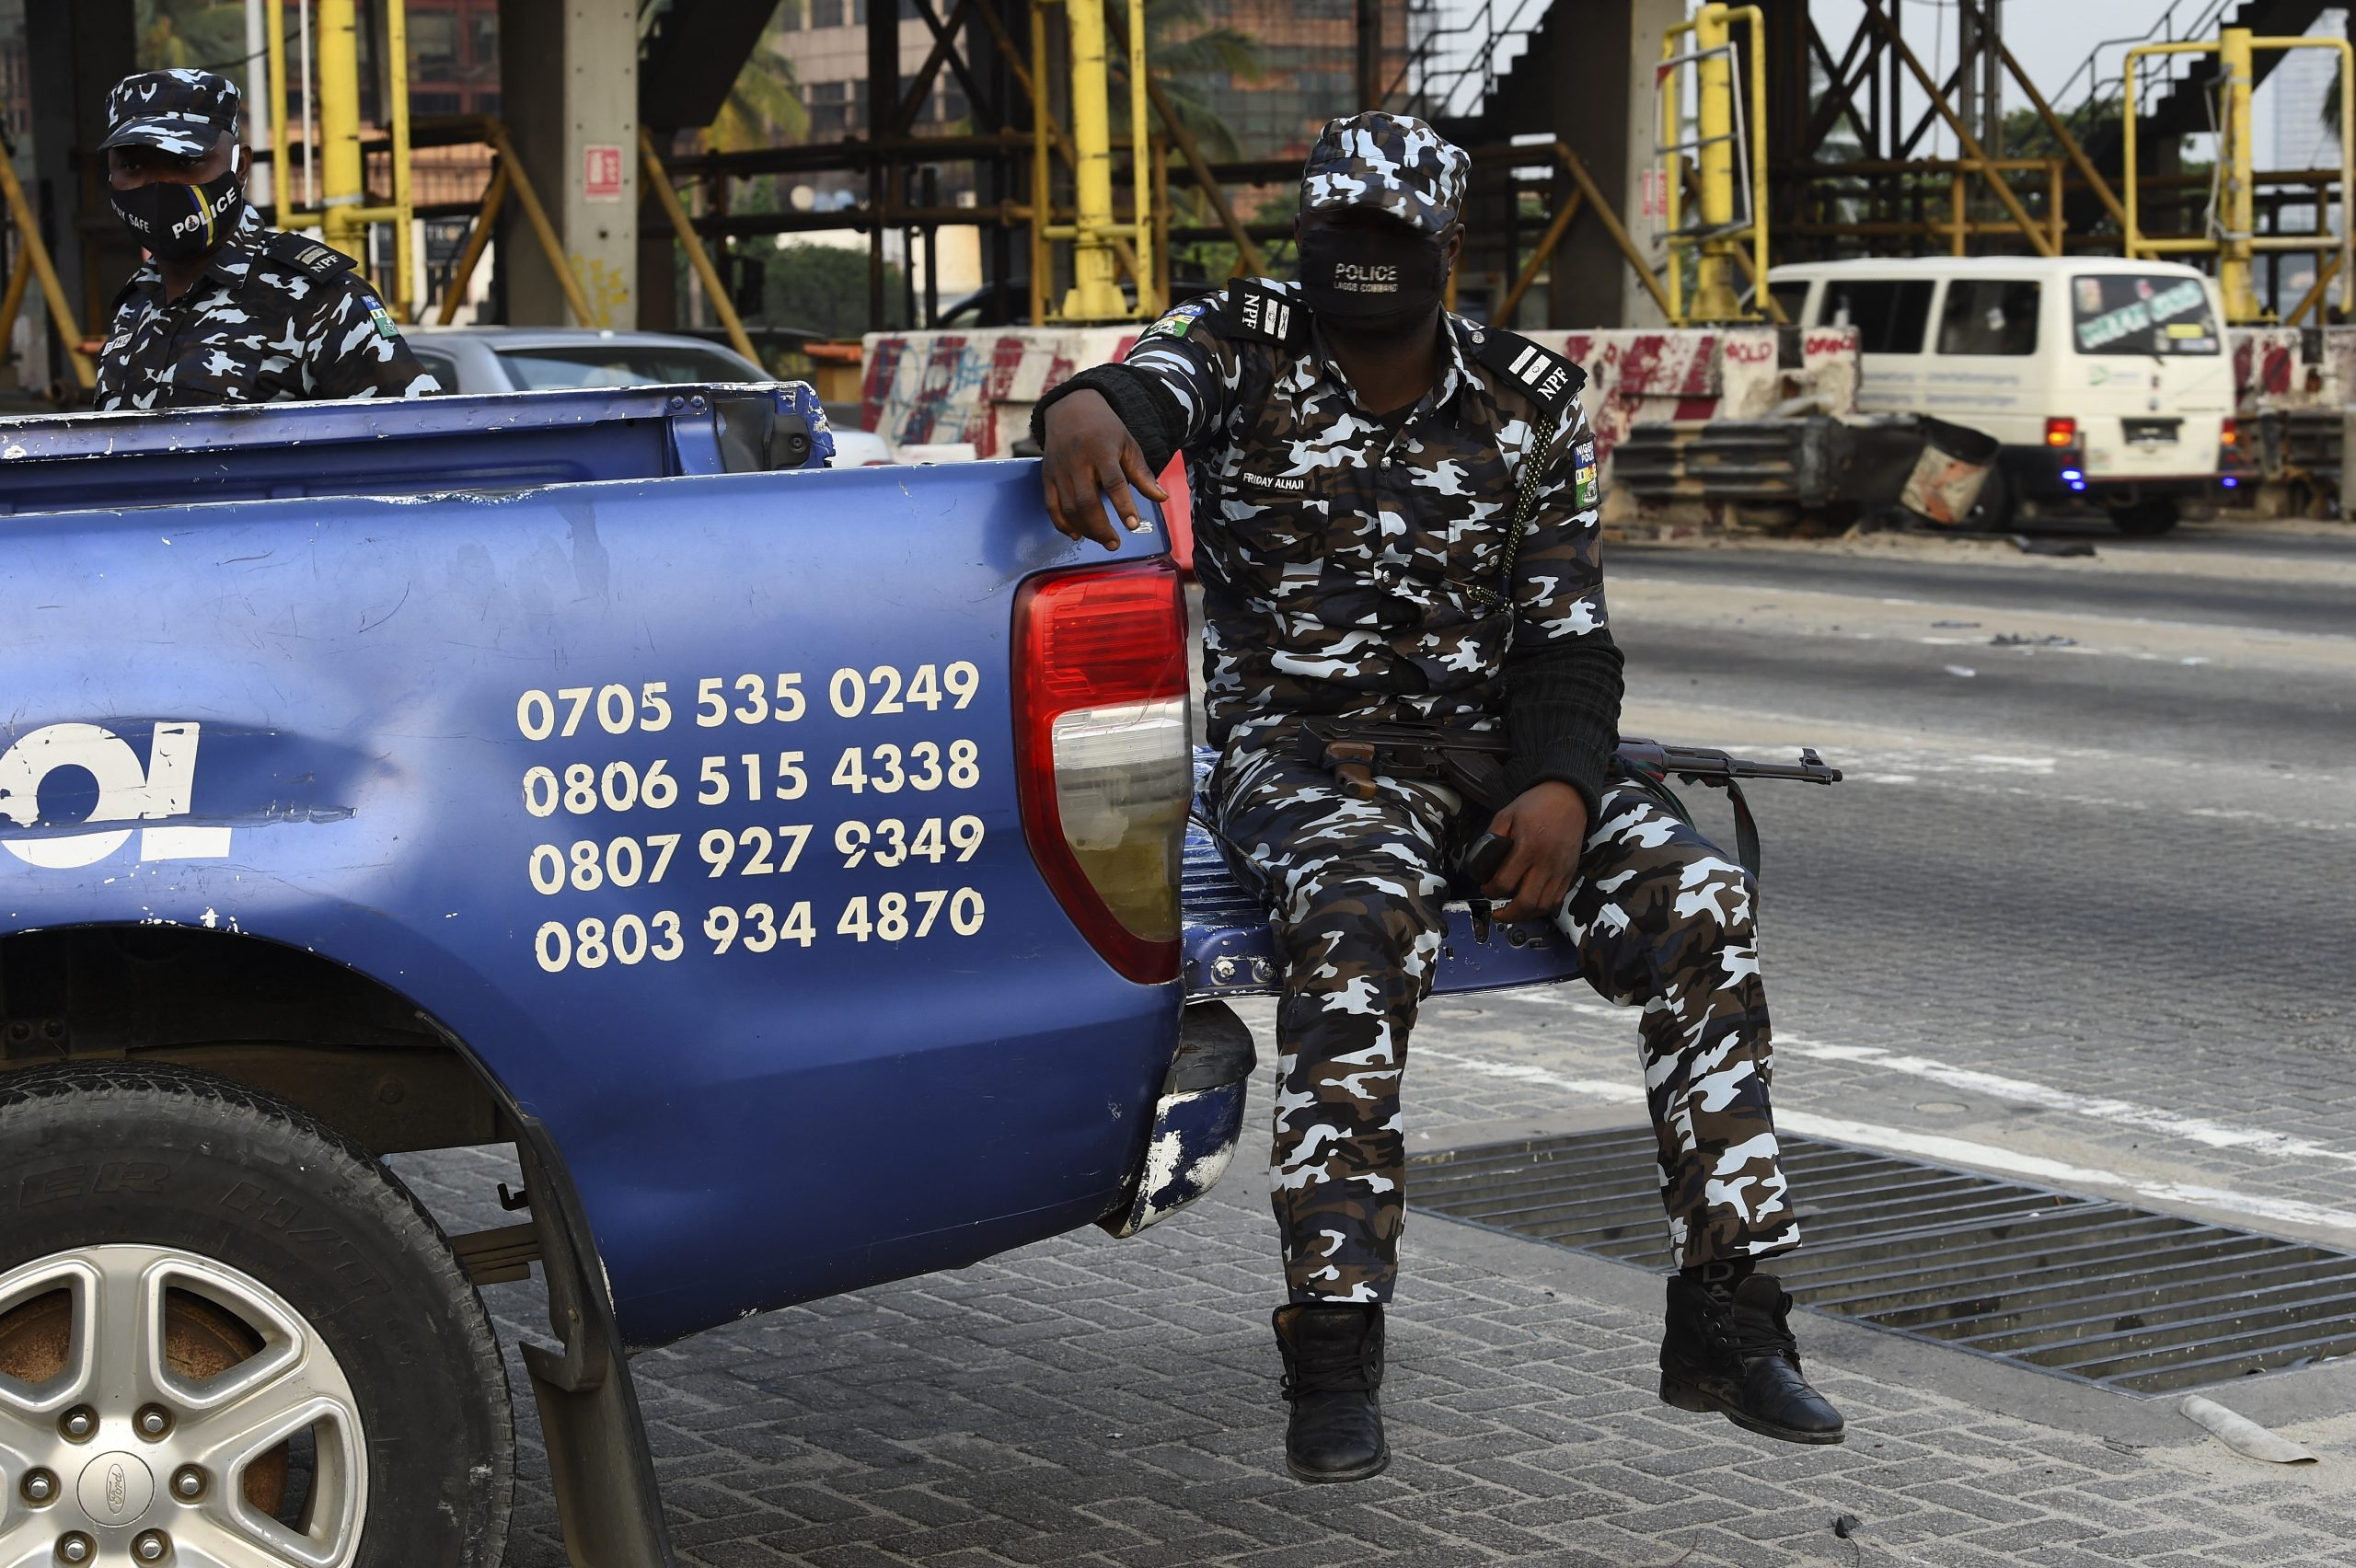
[[179, 222]]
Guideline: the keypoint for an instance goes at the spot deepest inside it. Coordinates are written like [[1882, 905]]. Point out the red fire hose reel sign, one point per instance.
[[601, 174]]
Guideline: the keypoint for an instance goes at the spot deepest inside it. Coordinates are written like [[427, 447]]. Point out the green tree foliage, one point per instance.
[[764, 108], [1189, 56], [823, 288]]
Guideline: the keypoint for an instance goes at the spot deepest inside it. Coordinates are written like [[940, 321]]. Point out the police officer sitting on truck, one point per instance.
[[1397, 520], [226, 310]]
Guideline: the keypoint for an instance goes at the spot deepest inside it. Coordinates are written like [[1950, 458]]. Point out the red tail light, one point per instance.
[[2060, 433], [1103, 753]]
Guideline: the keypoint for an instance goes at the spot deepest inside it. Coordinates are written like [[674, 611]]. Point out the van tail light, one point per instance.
[[1104, 754], [2229, 434], [2060, 433]]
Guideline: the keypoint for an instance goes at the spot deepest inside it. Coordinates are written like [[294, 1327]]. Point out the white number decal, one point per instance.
[[963, 681], [616, 709], [629, 939], [759, 927], [847, 694], [590, 944], [889, 920], [539, 791], [719, 848], [848, 772], [536, 716], [579, 699], [927, 756]]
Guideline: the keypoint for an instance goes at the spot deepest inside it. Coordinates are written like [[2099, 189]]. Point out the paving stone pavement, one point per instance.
[[1085, 1401]]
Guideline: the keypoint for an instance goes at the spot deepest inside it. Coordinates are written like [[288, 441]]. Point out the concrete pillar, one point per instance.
[[1608, 116], [569, 90]]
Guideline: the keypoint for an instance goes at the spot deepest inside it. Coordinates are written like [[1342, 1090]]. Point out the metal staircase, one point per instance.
[[2174, 92], [1461, 55]]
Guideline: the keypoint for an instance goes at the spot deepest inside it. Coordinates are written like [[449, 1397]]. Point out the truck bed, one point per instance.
[[1232, 950]]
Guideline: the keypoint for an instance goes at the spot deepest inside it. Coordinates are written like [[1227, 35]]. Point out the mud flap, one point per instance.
[[1196, 1122]]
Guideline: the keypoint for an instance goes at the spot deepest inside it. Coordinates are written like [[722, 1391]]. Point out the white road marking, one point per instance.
[[1957, 1151], [2028, 1091]]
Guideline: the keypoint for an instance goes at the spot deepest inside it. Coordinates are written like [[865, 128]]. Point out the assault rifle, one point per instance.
[[1472, 763]]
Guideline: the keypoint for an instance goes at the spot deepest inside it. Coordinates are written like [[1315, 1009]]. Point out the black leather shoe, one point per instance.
[[1739, 1358], [1333, 1370]]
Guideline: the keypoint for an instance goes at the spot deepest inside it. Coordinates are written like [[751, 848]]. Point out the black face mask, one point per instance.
[[1371, 277], [179, 222]]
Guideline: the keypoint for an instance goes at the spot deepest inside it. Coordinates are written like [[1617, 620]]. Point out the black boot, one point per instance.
[[1731, 1351], [1333, 1369]]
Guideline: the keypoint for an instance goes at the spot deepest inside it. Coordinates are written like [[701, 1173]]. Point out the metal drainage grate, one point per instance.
[[2081, 1286]]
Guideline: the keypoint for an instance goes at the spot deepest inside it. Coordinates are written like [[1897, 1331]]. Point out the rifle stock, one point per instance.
[[1473, 762]]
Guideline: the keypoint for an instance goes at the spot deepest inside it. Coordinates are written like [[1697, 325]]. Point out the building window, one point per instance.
[[826, 13], [788, 16], [829, 107]]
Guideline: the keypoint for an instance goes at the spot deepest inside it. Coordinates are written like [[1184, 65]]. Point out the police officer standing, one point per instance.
[[1364, 464], [226, 310]]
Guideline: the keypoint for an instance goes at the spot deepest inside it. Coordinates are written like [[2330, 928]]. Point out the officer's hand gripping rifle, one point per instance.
[[1474, 765]]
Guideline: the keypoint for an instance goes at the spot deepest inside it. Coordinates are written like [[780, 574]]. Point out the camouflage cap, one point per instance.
[[181, 112], [1391, 162]]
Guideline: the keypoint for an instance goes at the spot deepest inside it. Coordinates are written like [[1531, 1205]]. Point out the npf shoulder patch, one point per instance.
[[1548, 378], [308, 254], [1255, 309]]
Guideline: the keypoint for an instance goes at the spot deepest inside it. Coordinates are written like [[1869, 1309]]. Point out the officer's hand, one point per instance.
[[1090, 455], [1548, 825]]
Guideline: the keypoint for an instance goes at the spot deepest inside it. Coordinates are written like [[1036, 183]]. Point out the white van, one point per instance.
[[2104, 381]]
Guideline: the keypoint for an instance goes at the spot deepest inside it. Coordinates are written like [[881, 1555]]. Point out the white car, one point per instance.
[[533, 359]]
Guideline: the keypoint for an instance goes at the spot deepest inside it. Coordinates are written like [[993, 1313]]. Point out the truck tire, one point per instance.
[[225, 1329], [1993, 513], [2144, 519]]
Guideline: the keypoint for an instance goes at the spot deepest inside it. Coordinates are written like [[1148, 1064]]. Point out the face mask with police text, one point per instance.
[[179, 222], [1371, 277]]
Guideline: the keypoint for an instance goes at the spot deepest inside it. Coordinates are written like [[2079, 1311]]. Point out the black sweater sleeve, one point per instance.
[[1563, 715], [1154, 422]]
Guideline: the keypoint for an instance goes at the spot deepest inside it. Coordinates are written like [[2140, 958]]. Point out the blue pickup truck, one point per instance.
[[786, 863]]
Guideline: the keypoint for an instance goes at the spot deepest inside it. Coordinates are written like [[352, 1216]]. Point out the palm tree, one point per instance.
[[764, 108], [1186, 54]]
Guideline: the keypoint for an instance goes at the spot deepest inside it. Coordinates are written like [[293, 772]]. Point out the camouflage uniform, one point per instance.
[[1340, 556], [275, 316]]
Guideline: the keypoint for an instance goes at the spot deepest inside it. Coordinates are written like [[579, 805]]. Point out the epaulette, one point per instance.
[[1257, 309], [1544, 377], [308, 254]]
